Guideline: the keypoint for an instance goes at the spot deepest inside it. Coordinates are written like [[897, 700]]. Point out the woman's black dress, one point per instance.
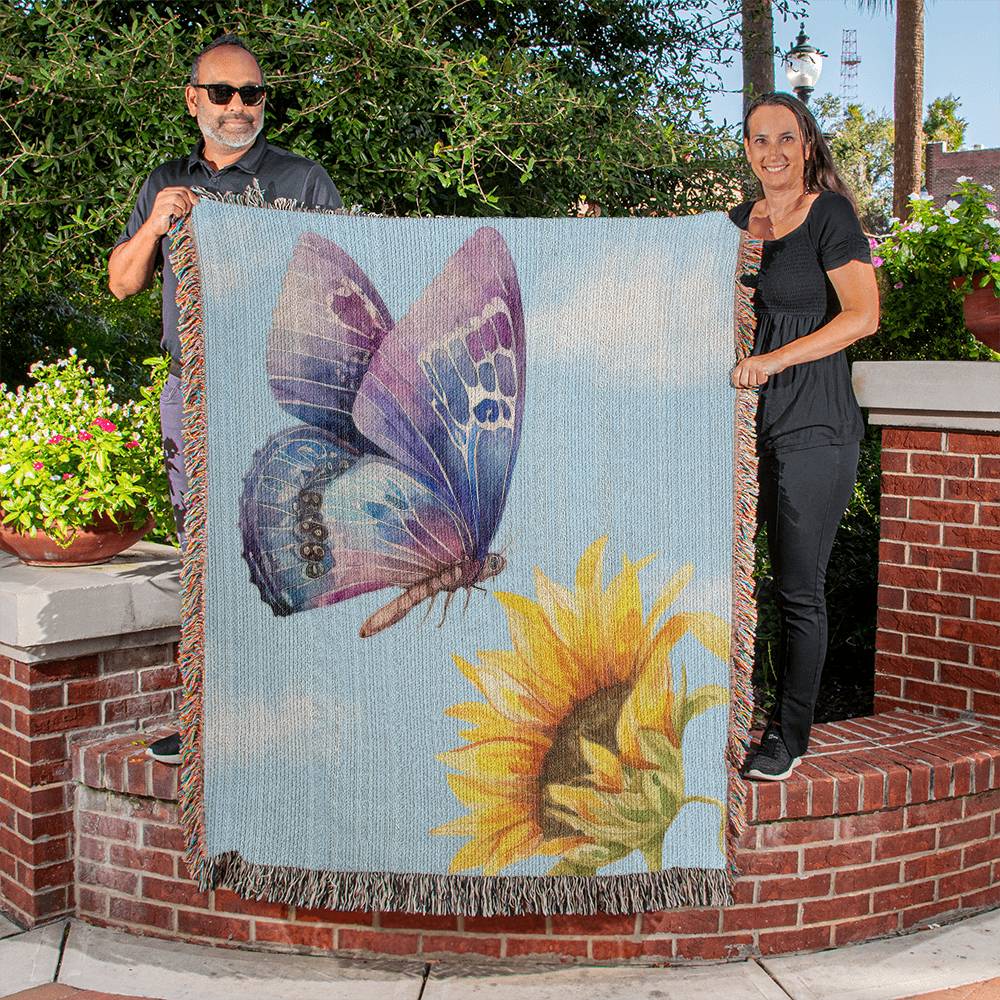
[[808, 428]]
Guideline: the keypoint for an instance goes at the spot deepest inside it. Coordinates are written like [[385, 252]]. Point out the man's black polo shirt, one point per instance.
[[280, 174]]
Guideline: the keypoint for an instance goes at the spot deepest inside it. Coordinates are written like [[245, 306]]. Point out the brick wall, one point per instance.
[[938, 643], [944, 169], [46, 708], [891, 822]]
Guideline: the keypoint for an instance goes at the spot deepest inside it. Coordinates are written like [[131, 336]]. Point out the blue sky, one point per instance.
[[961, 57]]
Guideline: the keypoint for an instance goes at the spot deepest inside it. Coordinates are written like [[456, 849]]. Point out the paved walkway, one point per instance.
[[74, 961]]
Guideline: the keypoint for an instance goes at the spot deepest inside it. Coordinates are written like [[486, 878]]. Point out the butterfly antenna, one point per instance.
[[451, 594], [468, 594]]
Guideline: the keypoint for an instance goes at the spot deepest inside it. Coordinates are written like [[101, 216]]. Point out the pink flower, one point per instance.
[[67, 475], [877, 262], [994, 257], [872, 242], [55, 439], [105, 425], [898, 284], [37, 465], [991, 206], [132, 444], [85, 435]]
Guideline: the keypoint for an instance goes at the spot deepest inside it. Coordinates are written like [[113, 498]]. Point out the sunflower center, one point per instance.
[[595, 719]]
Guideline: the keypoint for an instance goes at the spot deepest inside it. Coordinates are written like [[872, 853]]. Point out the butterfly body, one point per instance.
[[464, 574]]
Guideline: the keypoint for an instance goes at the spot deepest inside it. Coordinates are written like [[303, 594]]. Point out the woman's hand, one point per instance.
[[755, 370]]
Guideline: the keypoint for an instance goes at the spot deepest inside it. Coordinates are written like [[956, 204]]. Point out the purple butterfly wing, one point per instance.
[[444, 393], [321, 523], [327, 323]]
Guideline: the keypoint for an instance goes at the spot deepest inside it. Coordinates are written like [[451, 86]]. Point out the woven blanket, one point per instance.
[[467, 623]]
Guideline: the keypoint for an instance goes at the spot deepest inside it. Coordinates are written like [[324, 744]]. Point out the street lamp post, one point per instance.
[[803, 64]]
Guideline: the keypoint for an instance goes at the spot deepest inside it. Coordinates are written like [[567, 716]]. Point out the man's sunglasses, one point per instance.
[[221, 93]]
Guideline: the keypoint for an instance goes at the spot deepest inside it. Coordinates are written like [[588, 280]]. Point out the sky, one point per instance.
[[961, 57]]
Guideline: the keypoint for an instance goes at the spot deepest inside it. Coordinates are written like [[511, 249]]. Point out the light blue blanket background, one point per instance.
[[319, 747]]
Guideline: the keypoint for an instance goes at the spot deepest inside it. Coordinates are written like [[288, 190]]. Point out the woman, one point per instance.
[[815, 295]]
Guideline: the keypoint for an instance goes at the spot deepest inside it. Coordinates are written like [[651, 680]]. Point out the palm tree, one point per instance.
[[758, 50], [907, 98]]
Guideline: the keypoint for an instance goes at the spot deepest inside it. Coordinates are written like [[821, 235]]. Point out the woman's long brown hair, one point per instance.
[[820, 171]]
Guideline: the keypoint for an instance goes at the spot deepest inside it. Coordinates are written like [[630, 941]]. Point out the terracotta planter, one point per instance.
[[102, 541], [981, 309]]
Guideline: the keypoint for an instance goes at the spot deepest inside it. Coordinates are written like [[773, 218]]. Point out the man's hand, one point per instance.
[[170, 204], [755, 371]]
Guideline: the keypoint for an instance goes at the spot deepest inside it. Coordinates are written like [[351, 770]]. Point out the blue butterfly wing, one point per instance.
[[321, 523], [328, 321], [444, 393]]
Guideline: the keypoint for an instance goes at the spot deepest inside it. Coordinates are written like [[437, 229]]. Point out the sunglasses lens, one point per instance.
[[222, 93]]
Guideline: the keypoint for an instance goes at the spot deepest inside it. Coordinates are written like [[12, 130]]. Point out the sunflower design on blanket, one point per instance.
[[575, 751]]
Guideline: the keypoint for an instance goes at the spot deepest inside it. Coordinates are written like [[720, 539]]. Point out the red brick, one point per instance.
[[89, 873], [968, 830], [989, 468], [91, 901], [802, 831], [110, 827], [800, 887], [988, 562], [730, 947], [140, 707], [819, 911], [454, 944], [867, 824], [894, 484], [137, 657], [911, 531], [893, 461], [175, 891], [61, 720], [159, 678], [939, 604], [922, 555], [739, 918], [527, 924], [297, 935], [766, 801], [864, 929], [755, 862], [164, 838], [142, 860], [837, 855], [937, 649], [902, 896], [614, 950], [855, 879], [901, 844], [974, 444], [942, 465], [932, 864], [907, 439], [985, 704], [944, 511], [418, 921], [891, 552], [910, 577], [972, 538], [988, 610], [132, 911], [315, 916], [904, 666], [925, 912], [964, 882], [902, 621], [891, 597], [988, 515], [52, 825], [989, 658], [601, 923], [55, 670], [99, 688], [936, 694], [682, 921], [208, 925], [888, 642], [980, 633], [543, 946], [971, 489], [890, 506], [801, 939], [986, 898]]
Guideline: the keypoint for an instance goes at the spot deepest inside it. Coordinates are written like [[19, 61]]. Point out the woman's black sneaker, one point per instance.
[[167, 750], [771, 761]]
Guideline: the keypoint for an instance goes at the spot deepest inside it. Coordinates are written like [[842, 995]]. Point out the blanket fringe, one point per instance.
[[472, 895], [446, 894]]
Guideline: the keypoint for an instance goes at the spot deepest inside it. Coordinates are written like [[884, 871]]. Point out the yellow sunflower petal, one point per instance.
[[670, 593], [606, 769]]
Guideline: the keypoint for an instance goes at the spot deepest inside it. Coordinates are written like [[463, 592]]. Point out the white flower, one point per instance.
[[932, 229], [992, 223], [72, 352], [894, 220], [962, 180], [950, 206], [917, 227], [5, 468], [989, 187], [951, 219]]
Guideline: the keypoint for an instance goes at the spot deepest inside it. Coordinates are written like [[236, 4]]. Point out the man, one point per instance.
[[226, 94]]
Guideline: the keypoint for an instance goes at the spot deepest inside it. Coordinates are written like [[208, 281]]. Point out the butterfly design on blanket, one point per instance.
[[398, 473]]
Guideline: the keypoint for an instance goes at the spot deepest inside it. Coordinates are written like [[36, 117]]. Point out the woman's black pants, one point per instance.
[[803, 495]]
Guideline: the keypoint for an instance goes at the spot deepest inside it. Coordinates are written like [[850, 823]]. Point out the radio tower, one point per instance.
[[849, 63]]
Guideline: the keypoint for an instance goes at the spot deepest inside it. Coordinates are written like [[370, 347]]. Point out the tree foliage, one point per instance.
[[942, 123], [494, 107]]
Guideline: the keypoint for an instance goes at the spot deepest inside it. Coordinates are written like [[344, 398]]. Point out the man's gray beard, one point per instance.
[[230, 140]]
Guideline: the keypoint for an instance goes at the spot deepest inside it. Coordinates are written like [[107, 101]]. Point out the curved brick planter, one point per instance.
[[891, 822]]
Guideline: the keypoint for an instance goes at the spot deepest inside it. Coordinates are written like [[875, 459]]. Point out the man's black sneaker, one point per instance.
[[167, 750], [772, 761]]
